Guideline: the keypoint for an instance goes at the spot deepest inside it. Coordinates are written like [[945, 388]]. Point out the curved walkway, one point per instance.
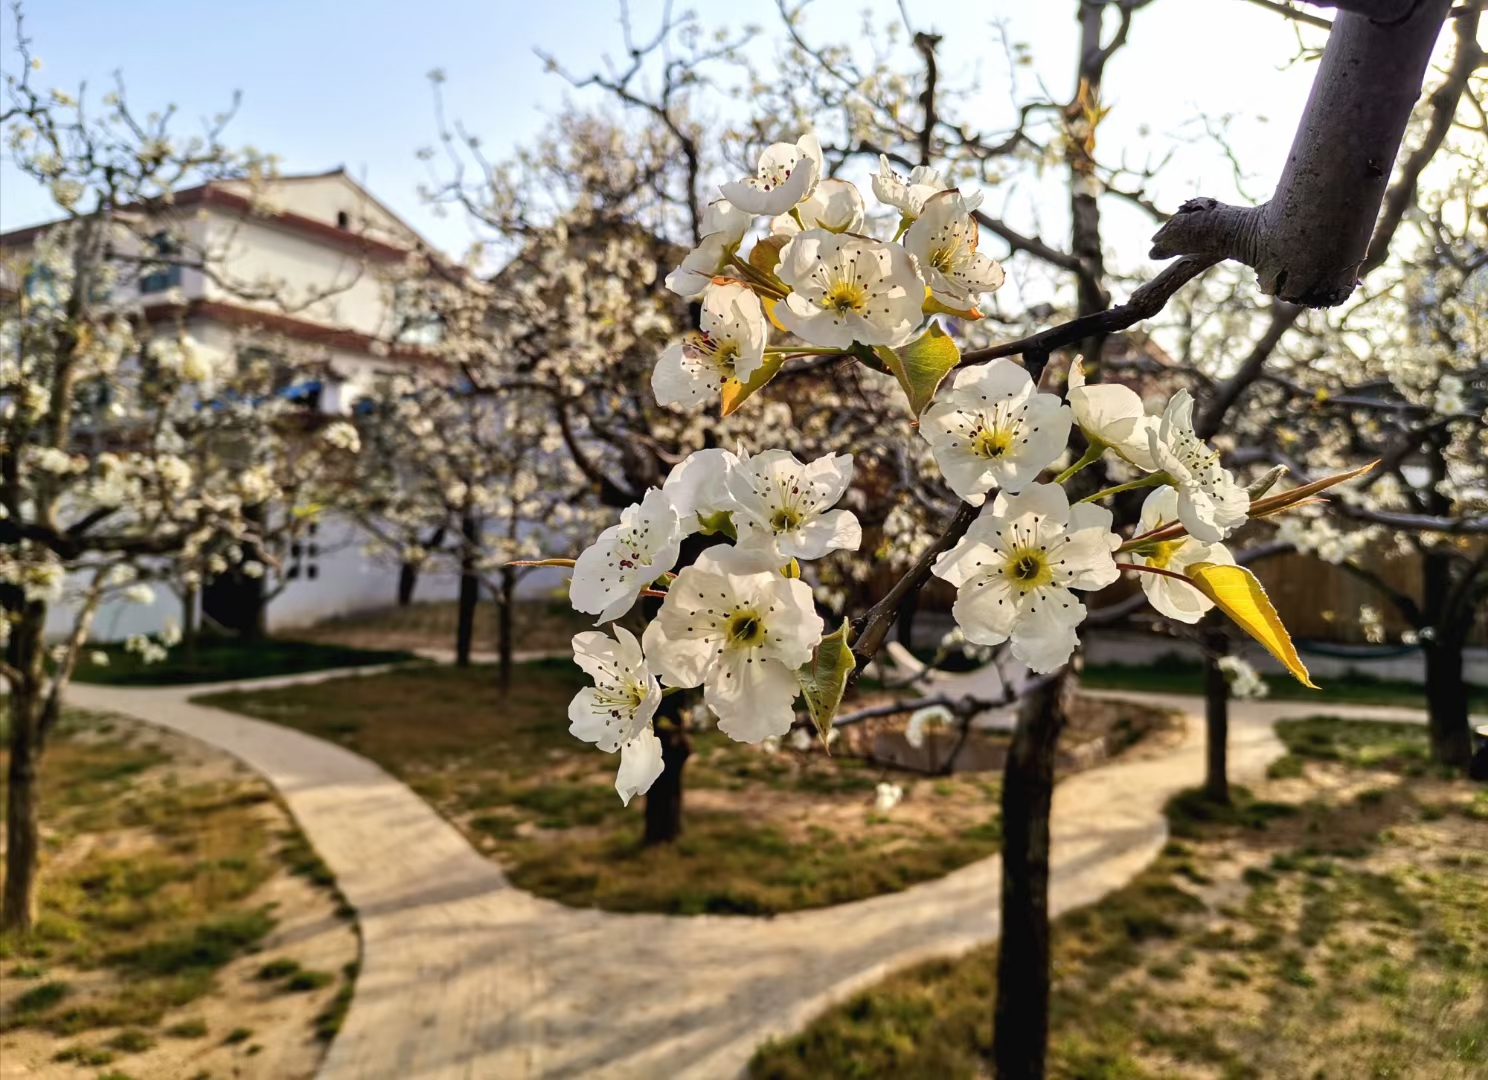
[[465, 976]]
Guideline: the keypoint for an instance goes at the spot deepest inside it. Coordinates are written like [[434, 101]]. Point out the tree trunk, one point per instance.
[[408, 573], [1446, 703], [504, 624], [22, 835], [664, 800], [1216, 716], [190, 596], [1020, 1023], [904, 627], [469, 590]]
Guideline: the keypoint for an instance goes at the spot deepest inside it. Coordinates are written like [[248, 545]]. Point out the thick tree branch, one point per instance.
[[1308, 243]]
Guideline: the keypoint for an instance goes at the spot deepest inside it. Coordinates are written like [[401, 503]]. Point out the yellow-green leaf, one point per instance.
[[769, 305], [765, 255], [735, 392], [824, 679], [921, 365], [1237, 593]]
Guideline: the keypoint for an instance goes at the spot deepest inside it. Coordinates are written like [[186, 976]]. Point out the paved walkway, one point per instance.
[[465, 976]]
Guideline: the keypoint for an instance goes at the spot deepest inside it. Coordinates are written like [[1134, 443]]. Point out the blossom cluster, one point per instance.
[[738, 621]]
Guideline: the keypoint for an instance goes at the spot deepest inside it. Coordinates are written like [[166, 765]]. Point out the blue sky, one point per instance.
[[327, 84]]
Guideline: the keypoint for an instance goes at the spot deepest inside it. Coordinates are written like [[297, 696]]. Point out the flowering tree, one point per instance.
[[97, 489], [458, 479], [1033, 530]]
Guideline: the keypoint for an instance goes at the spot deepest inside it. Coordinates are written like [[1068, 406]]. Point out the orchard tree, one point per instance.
[[96, 490]]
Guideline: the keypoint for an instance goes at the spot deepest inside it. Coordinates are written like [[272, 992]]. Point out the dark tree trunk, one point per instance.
[[1446, 689], [408, 574], [504, 624], [664, 800], [190, 597], [25, 651], [469, 590], [1020, 1022], [1216, 716], [1446, 703], [904, 627], [256, 618]]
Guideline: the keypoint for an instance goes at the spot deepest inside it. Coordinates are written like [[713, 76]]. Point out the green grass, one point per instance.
[[1403, 749], [1172, 674], [222, 659], [1356, 947], [160, 918], [780, 832]]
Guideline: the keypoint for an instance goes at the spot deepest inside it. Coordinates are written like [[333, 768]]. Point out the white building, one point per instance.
[[291, 261]]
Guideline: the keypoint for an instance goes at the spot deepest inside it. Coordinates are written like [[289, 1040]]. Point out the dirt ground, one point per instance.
[[246, 1025]]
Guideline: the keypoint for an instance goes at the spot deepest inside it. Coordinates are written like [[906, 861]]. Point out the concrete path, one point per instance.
[[465, 976]]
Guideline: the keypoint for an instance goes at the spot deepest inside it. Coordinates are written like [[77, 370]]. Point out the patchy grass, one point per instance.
[[764, 832], [1360, 744], [1342, 938], [537, 625], [223, 659], [165, 865], [1173, 674]]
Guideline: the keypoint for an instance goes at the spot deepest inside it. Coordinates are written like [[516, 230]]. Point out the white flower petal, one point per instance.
[[640, 765]]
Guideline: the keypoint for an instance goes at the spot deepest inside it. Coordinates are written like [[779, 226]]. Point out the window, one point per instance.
[[343, 219], [167, 275]]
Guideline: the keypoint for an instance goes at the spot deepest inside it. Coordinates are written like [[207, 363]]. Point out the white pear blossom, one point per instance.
[[723, 228], [887, 796], [698, 488], [788, 173], [1016, 565], [923, 719], [1173, 598], [1448, 398], [909, 194], [1211, 504], [342, 436], [992, 428], [944, 240], [783, 506], [1112, 415], [610, 574], [729, 345], [615, 713], [849, 288], [740, 634], [835, 205], [1245, 681]]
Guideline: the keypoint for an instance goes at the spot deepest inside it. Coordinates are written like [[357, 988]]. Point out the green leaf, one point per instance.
[[1237, 593], [921, 365], [824, 679]]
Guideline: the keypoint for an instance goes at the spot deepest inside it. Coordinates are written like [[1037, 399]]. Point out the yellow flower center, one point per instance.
[[785, 519], [943, 259], [845, 296], [1029, 568], [745, 629], [1162, 553], [992, 442]]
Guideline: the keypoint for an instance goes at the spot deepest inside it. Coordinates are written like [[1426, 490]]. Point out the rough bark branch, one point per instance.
[[874, 626], [1308, 243], [1145, 301]]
